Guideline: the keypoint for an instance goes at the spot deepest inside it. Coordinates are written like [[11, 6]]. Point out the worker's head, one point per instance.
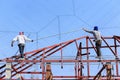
[[96, 28], [21, 33]]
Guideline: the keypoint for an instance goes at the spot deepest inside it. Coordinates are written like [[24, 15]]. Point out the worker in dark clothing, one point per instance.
[[97, 40], [21, 38]]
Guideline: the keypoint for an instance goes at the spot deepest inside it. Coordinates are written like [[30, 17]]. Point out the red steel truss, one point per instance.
[[82, 61]]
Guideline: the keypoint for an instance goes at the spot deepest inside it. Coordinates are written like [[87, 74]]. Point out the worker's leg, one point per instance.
[[98, 46], [21, 50]]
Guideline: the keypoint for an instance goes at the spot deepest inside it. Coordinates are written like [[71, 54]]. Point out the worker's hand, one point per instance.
[[32, 40], [11, 45], [83, 28]]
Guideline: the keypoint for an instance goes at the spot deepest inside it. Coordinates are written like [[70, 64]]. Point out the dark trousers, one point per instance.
[[21, 50], [98, 46]]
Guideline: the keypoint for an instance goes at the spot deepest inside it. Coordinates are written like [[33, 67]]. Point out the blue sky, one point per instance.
[[40, 19]]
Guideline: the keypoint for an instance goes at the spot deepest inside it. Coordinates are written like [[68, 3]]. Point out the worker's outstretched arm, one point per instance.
[[28, 39], [87, 30]]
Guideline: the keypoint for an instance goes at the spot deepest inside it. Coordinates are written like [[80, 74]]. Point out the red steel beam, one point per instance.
[[59, 60], [32, 73], [57, 47]]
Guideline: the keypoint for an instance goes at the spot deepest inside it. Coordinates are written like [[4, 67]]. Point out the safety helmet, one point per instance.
[[96, 28]]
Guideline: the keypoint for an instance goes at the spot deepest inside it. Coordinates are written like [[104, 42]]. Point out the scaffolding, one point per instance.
[[83, 61]]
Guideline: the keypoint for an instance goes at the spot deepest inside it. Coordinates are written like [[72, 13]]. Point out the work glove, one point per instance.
[[83, 29], [32, 40], [11, 45], [94, 40]]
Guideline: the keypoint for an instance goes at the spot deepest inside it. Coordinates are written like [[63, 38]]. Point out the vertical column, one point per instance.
[[8, 71], [108, 69], [48, 72], [18, 77], [88, 64], [43, 67]]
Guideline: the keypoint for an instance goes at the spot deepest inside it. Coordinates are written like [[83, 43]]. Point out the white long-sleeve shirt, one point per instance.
[[21, 39], [95, 33]]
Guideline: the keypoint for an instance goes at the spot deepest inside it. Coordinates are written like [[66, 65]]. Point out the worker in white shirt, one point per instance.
[[98, 40], [21, 38]]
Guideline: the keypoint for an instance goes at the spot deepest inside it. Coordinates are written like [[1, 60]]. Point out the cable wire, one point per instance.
[[47, 24], [58, 34]]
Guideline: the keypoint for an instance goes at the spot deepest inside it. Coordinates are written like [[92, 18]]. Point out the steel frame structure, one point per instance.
[[82, 60]]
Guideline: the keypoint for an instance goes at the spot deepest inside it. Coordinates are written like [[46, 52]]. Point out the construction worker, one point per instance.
[[97, 40], [21, 38]]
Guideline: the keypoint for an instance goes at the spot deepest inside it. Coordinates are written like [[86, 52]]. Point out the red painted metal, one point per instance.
[[84, 47]]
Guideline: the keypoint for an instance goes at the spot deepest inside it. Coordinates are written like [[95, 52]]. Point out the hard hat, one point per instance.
[[96, 28]]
